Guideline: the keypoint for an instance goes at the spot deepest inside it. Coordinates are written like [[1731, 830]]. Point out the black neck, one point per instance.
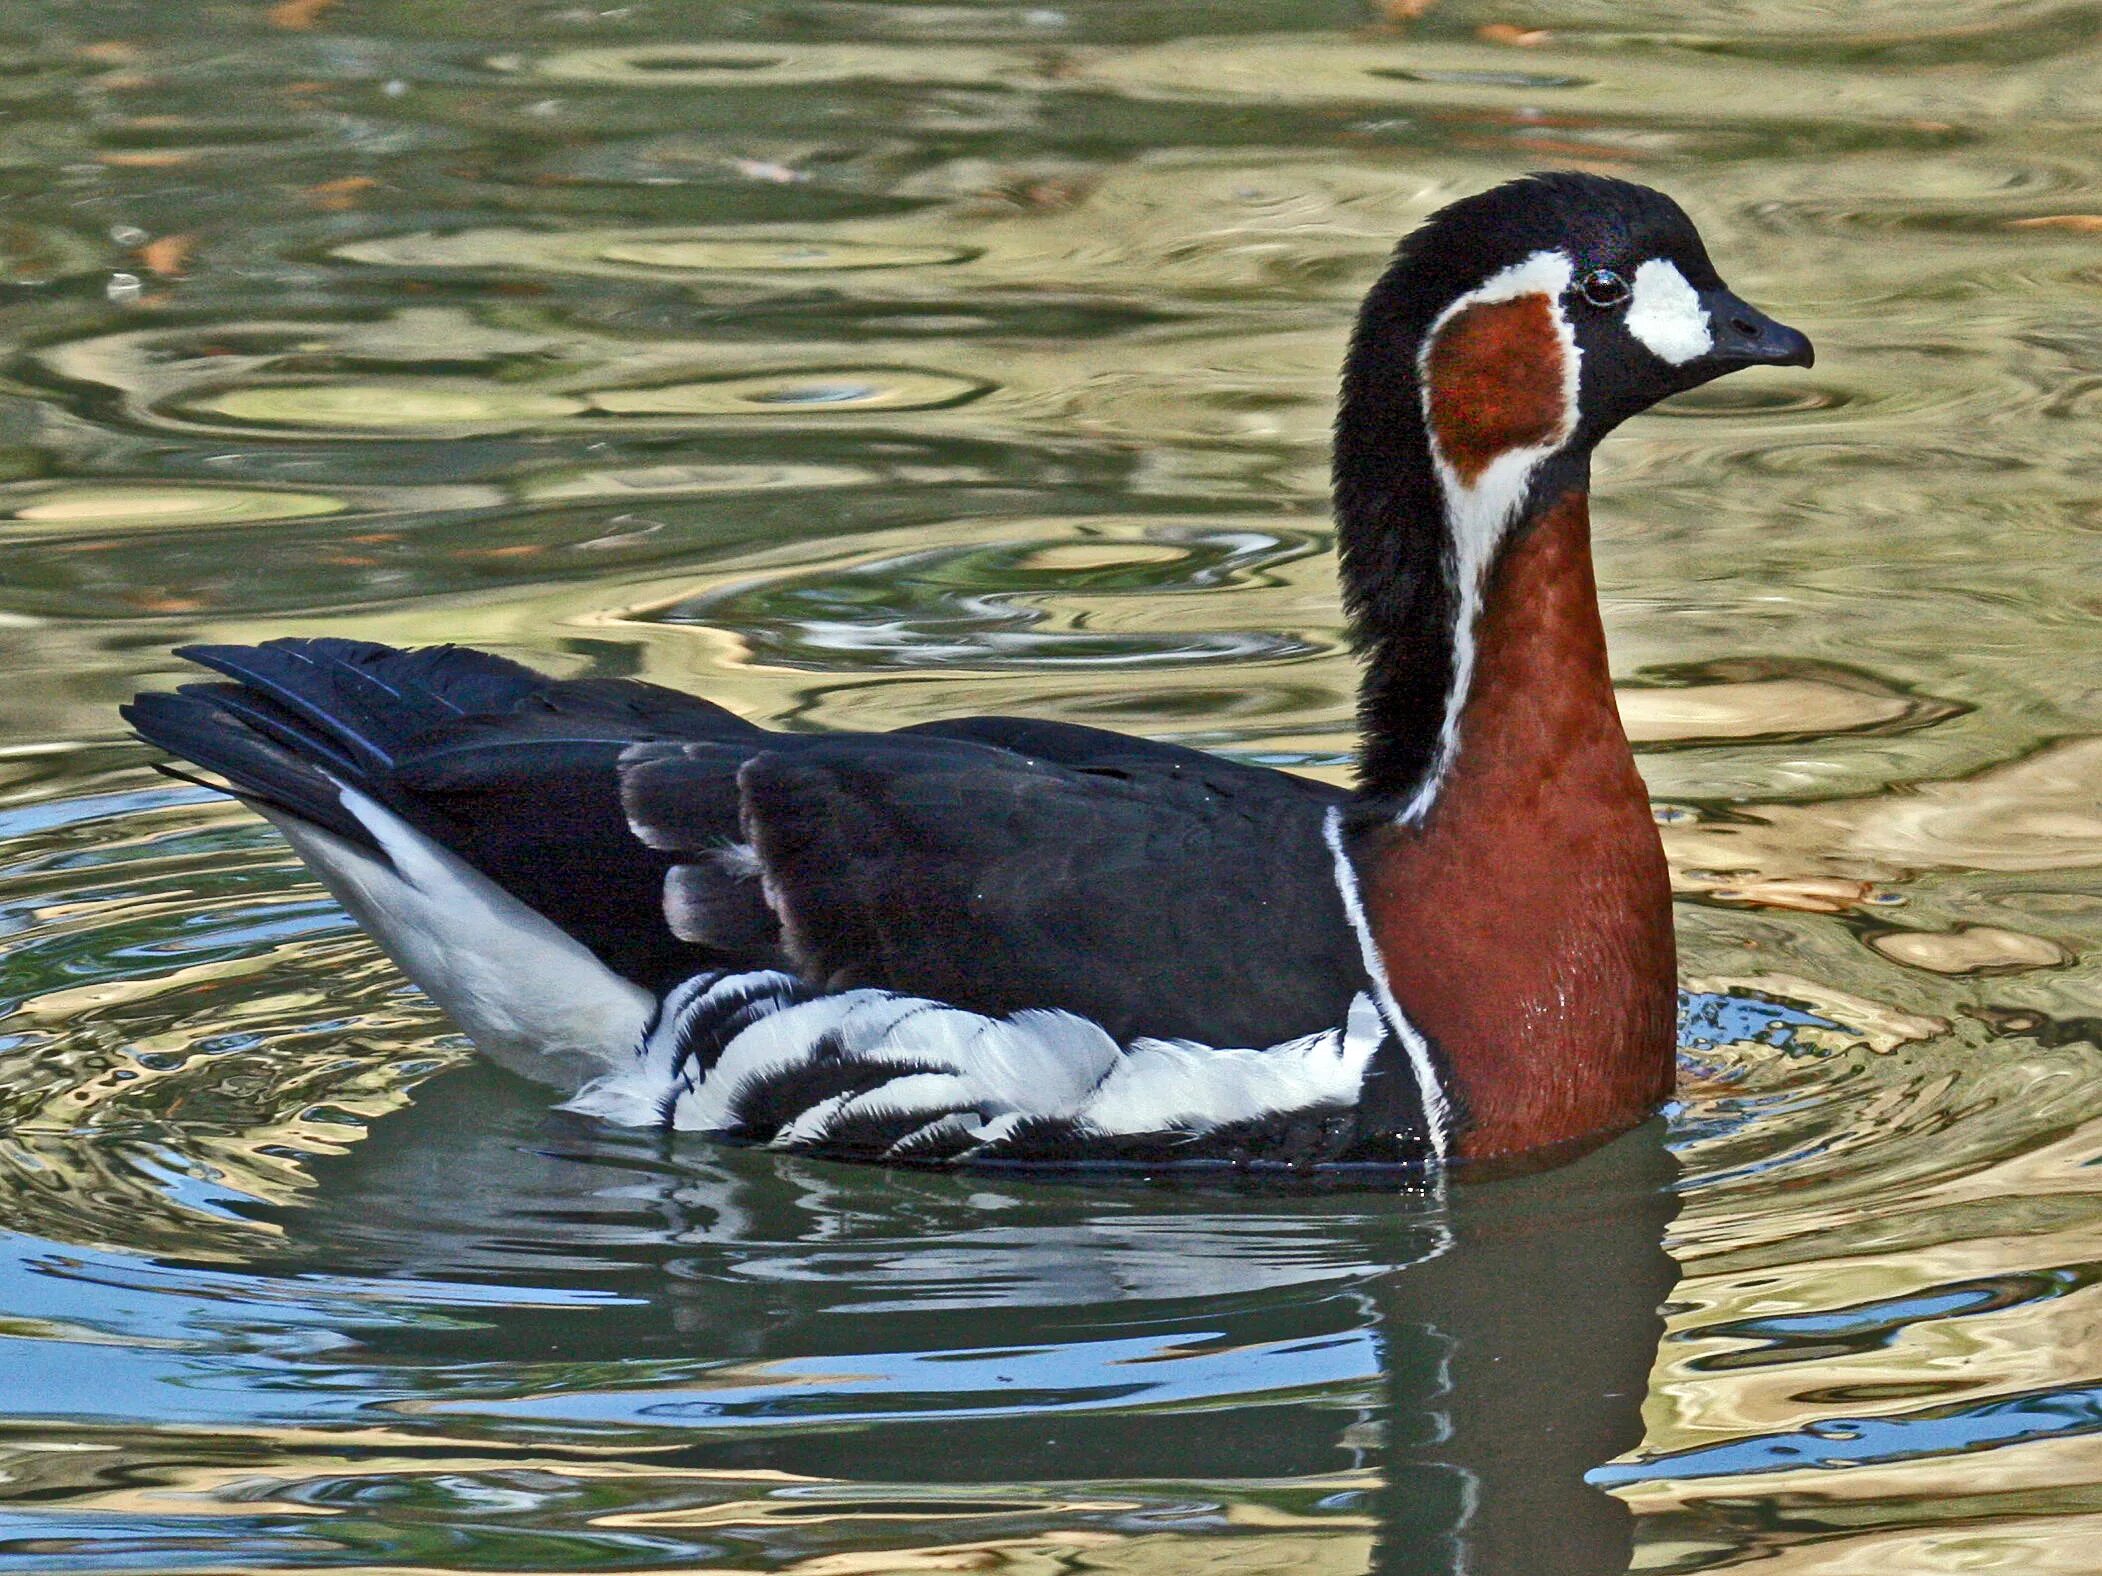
[[1395, 544], [1396, 549]]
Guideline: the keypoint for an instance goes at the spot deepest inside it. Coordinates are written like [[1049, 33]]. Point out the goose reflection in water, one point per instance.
[[1413, 1384]]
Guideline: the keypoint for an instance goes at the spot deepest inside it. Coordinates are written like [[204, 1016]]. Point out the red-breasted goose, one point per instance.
[[1005, 941]]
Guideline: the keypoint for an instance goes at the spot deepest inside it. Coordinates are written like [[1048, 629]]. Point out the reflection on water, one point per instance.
[[584, 1332], [869, 361]]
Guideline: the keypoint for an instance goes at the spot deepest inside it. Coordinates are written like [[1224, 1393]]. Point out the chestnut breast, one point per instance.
[[1525, 924]]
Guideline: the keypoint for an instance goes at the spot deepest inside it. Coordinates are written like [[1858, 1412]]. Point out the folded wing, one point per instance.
[[1169, 894]]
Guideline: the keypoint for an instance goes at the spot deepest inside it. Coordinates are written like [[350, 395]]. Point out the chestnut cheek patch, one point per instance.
[[1495, 381], [1499, 377]]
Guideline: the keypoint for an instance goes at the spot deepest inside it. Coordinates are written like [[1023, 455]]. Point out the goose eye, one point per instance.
[[1603, 287]]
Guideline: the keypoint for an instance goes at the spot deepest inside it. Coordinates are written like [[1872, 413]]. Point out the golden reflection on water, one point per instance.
[[750, 1504], [877, 362]]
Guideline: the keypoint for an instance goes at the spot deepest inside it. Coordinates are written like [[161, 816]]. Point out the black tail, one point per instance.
[[514, 772], [302, 712], [192, 725]]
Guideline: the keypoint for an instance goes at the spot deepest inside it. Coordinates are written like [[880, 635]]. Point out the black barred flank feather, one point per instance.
[[764, 1105], [713, 1022]]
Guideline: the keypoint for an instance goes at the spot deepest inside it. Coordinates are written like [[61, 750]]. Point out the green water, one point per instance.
[[861, 363]]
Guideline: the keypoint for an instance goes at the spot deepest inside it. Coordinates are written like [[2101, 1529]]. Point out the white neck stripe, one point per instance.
[[1430, 1094], [1477, 515]]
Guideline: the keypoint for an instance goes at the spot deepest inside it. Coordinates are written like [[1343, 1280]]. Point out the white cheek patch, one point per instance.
[[1667, 316]]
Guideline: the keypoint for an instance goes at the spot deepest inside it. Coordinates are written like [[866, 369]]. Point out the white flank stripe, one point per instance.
[[1166, 1084], [1667, 316], [1478, 516], [1437, 1110]]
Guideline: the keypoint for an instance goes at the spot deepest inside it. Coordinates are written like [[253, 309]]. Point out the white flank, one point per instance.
[[1667, 316], [1430, 1094], [982, 1076], [1477, 516], [526, 992], [1162, 1085]]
